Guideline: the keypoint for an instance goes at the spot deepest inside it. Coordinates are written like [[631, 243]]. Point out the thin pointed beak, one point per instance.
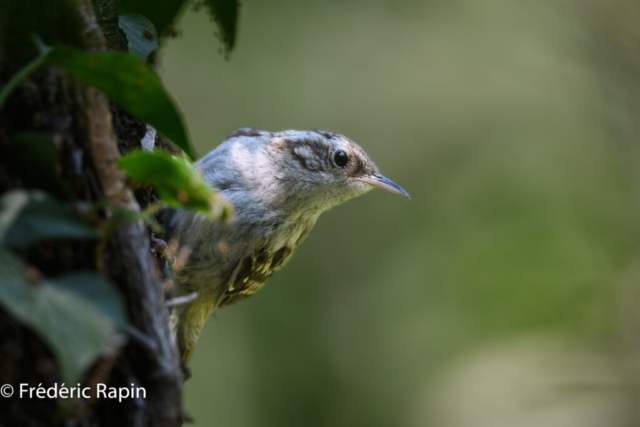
[[385, 183]]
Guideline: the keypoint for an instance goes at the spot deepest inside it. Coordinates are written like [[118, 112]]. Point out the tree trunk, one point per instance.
[[87, 131]]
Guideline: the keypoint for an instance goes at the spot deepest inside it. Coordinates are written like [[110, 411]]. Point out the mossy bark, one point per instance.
[[89, 134]]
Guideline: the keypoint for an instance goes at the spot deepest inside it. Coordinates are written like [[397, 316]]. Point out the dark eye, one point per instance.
[[340, 158]]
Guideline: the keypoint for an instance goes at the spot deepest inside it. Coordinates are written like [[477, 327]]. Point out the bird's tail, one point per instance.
[[190, 321]]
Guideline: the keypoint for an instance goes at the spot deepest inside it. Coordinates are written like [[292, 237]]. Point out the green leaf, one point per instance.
[[11, 204], [124, 77], [29, 217], [225, 15], [129, 82], [174, 179], [31, 156], [141, 34], [17, 77], [97, 291], [67, 321]]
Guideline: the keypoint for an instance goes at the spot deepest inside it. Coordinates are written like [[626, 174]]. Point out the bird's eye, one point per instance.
[[340, 158]]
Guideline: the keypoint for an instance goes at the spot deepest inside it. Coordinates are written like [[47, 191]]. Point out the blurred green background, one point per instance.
[[506, 293]]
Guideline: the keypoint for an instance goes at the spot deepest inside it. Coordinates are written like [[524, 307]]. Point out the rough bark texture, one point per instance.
[[88, 132]]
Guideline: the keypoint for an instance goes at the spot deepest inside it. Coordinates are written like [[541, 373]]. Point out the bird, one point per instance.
[[278, 184]]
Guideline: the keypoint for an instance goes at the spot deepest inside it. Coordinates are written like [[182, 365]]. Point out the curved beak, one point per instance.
[[385, 183]]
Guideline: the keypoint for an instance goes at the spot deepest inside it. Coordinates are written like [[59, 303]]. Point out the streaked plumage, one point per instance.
[[279, 184]]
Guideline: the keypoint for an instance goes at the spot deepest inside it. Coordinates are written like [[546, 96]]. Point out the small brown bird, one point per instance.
[[279, 184]]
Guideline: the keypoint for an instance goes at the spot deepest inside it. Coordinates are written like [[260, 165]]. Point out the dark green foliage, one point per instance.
[[174, 179], [30, 217], [129, 82], [77, 335], [225, 14], [31, 158], [77, 315], [96, 291], [77, 322], [57, 22], [123, 77], [164, 13]]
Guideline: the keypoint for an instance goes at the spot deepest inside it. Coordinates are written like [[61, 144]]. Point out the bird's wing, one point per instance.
[[253, 272]]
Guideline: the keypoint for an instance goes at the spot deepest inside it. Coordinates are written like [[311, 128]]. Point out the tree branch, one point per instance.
[[128, 259]]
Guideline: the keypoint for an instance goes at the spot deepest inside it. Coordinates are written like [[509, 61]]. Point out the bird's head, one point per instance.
[[324, 168]]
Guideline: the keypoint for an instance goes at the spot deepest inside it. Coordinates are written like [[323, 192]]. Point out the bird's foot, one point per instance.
[[161, 247]]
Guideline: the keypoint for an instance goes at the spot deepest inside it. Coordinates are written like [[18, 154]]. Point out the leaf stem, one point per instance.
[[15, 80]]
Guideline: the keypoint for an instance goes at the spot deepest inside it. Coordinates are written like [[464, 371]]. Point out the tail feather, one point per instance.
[[191, 319]]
